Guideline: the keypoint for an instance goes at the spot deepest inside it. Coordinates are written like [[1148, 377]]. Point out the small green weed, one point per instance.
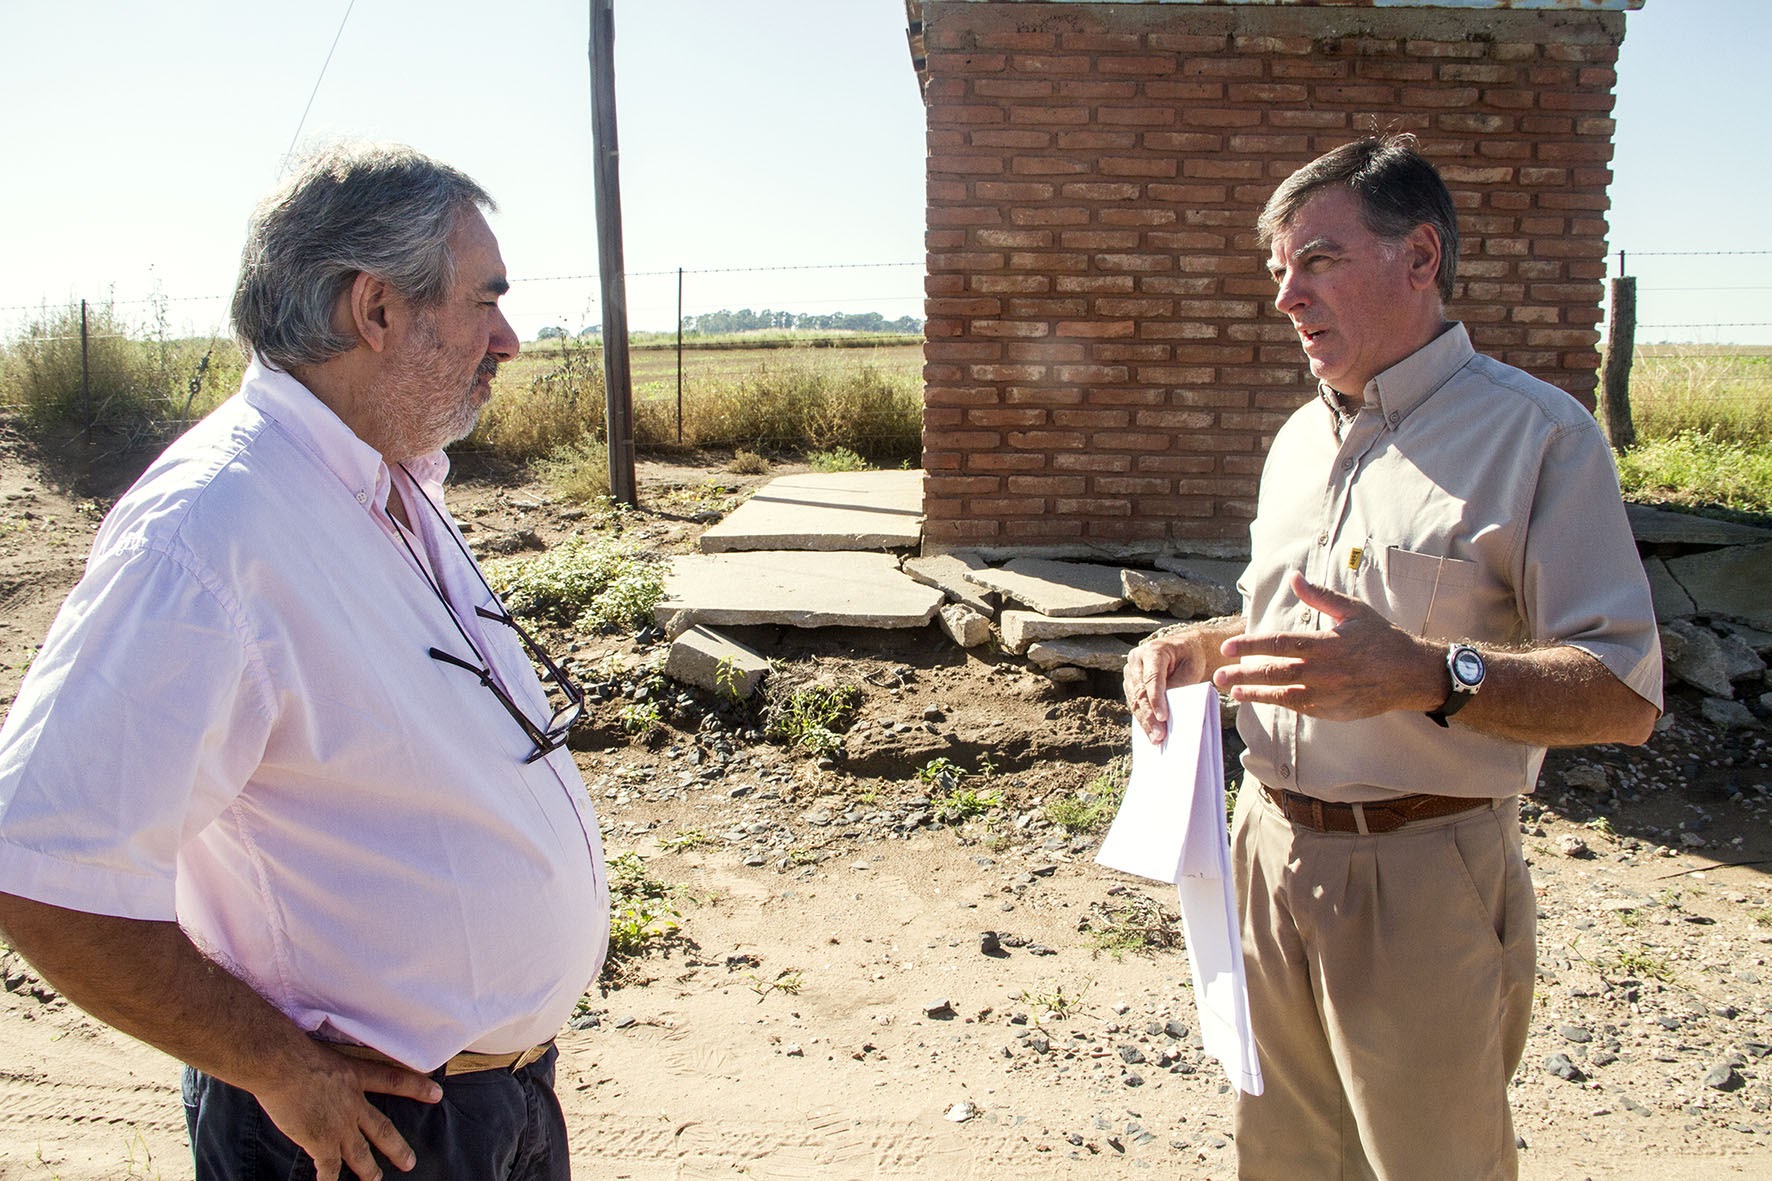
[[1053, 1001], [641, 719], [641, 917], [688, 838], [1093, 808], [811, 718], [1642, 964], [965, 803], [839, 459], [748, 463], [1131, 923], [1762, 916], [788, 980], [593, 585]]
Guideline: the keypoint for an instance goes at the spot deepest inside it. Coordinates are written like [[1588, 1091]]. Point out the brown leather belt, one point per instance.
[[1379, 816], [465, 1062]]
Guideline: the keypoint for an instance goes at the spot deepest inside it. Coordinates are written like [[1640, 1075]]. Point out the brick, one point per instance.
[[1095, 140], [1393, 70], [1379, 96], [1181, 141], [1047, 485], [1046, 440], [1268, 92], [1003, 88], [978, 306], [1221, 67], [1011, 239], [1134, 262], [1073, 216], [999, 461], [966, 165], [1092, 420], [1102, 191], [967, 63], [1310, 70], [1096, 329], [1133, 486], [1094, 89], [1050, 63], [1207, 117], [1043, 352], [1184, 420], [1006, 417], [1146, 116], [1007, 192], [1453, 49], [1012, 284], [1154, 167], [1007, 328], [1479, 124], [1088, 374], [1006, 506], [1099, 239], [1091, 462], [1016, 40], [956, 533], [1102, 43], [1048, 116], [1042, 529], [1149, 66], [1096, 284], [1135, 307], [1185, 92]]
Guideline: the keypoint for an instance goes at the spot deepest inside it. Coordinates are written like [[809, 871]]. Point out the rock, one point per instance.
[[1722, 1077], [1561, 1066], [1700, 663], [1132, 1055], [1576, 1033], [1067, 675], [1178, 594], [964, 625], [1739, 660], [959, 1113], [793, 1050], [1730, 715], [1587, 777], [990, 945], [1570, 845], [939, 1009]]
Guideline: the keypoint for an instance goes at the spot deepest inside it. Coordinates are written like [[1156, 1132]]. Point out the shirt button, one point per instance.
[[1347, 465], [1285, 770], [1322, 539], [362, 498], [1305, 615], [1395, 418]]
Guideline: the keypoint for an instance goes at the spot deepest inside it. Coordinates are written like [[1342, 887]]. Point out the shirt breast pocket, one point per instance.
[[1430, 595]]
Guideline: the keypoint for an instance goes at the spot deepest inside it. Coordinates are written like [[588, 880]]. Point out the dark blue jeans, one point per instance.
[[492, 1125]]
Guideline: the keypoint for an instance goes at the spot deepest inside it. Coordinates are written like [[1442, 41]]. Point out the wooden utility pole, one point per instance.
[[1621, 337], [617, 379]]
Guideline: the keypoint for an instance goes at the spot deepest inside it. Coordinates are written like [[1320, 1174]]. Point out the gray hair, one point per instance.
[[1398, 190], [349, 209]]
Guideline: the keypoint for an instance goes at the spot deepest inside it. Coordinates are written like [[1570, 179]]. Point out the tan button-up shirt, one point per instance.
[[1465, 500]]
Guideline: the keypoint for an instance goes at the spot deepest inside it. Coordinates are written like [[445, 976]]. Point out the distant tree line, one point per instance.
[[745, 320]]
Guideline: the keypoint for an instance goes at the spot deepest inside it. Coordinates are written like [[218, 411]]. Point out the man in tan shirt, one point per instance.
[[1437, 534]]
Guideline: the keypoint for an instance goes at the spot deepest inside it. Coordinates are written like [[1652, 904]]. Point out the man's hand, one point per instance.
[[325, 1112], [178, 1000], [1168, 662], [1359, 667]]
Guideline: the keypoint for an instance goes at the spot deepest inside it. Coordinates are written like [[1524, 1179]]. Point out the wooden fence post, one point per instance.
[[1621, 336], [85, 378]]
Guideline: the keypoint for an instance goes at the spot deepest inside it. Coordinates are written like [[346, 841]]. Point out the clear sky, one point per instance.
[[777, 134]]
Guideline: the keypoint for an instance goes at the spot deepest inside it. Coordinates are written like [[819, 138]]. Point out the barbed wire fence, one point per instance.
[[1660, 322]]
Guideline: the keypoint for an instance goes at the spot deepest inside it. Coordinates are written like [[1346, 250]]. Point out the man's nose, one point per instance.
[[504, 343], [1290, 295]]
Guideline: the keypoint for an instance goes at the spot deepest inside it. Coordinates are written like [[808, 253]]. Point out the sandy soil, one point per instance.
[[825, 1009]]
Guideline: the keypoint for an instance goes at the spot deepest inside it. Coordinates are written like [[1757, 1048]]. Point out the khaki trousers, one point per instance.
[[1390, 990]]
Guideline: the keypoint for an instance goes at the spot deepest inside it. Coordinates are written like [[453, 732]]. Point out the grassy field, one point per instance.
[[1703, 414]]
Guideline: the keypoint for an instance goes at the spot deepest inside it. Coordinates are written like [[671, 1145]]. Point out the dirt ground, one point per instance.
[[827, 1007]]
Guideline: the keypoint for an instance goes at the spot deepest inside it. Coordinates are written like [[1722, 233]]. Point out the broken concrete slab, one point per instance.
[[1654, 526], [1102, 652], [702, 656], [1698, 659], [1670, 598], [1183, 596], [1058, 589], [796, 588], [1729, 582], [951, 573], [825, 511], [963, 625], [1021, 628]]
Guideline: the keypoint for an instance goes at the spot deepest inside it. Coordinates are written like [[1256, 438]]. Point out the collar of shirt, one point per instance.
[[280, 397], [1400, 390]]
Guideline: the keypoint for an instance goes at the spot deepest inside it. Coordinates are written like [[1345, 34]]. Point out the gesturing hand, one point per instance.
[[1359, 667]]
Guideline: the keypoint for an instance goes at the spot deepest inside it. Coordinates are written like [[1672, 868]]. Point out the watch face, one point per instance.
[[1467, 666]]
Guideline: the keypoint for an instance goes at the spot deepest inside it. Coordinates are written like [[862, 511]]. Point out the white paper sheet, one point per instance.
[[1171, 827]]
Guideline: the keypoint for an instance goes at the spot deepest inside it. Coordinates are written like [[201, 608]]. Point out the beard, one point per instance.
[[426, 403]]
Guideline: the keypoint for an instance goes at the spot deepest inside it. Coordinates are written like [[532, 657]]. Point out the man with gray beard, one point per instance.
[[283, 794]]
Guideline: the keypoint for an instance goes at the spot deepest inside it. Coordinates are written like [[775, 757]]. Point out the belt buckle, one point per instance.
[[532, 1054]]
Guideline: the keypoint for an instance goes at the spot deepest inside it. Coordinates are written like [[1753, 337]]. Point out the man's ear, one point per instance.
[[1424, 246], [369, 304]]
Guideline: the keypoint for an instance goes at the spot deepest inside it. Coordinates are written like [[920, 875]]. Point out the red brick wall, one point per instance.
[[1104, 366]]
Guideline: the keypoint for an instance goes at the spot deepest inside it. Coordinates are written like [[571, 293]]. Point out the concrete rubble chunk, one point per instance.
[[1102, 652], [832, 511], [964, 626], [951, 573], [1729, 582], [796, 589], [720, 664], [1759, 641], [1729, 715], [1052, 587], [1739, 660], [1700, 662], [1021, 628], [1655, 526], [1183, 596], [1670, 598]]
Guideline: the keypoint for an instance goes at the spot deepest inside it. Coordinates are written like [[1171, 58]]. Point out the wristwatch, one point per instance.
[[1465, 664]]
